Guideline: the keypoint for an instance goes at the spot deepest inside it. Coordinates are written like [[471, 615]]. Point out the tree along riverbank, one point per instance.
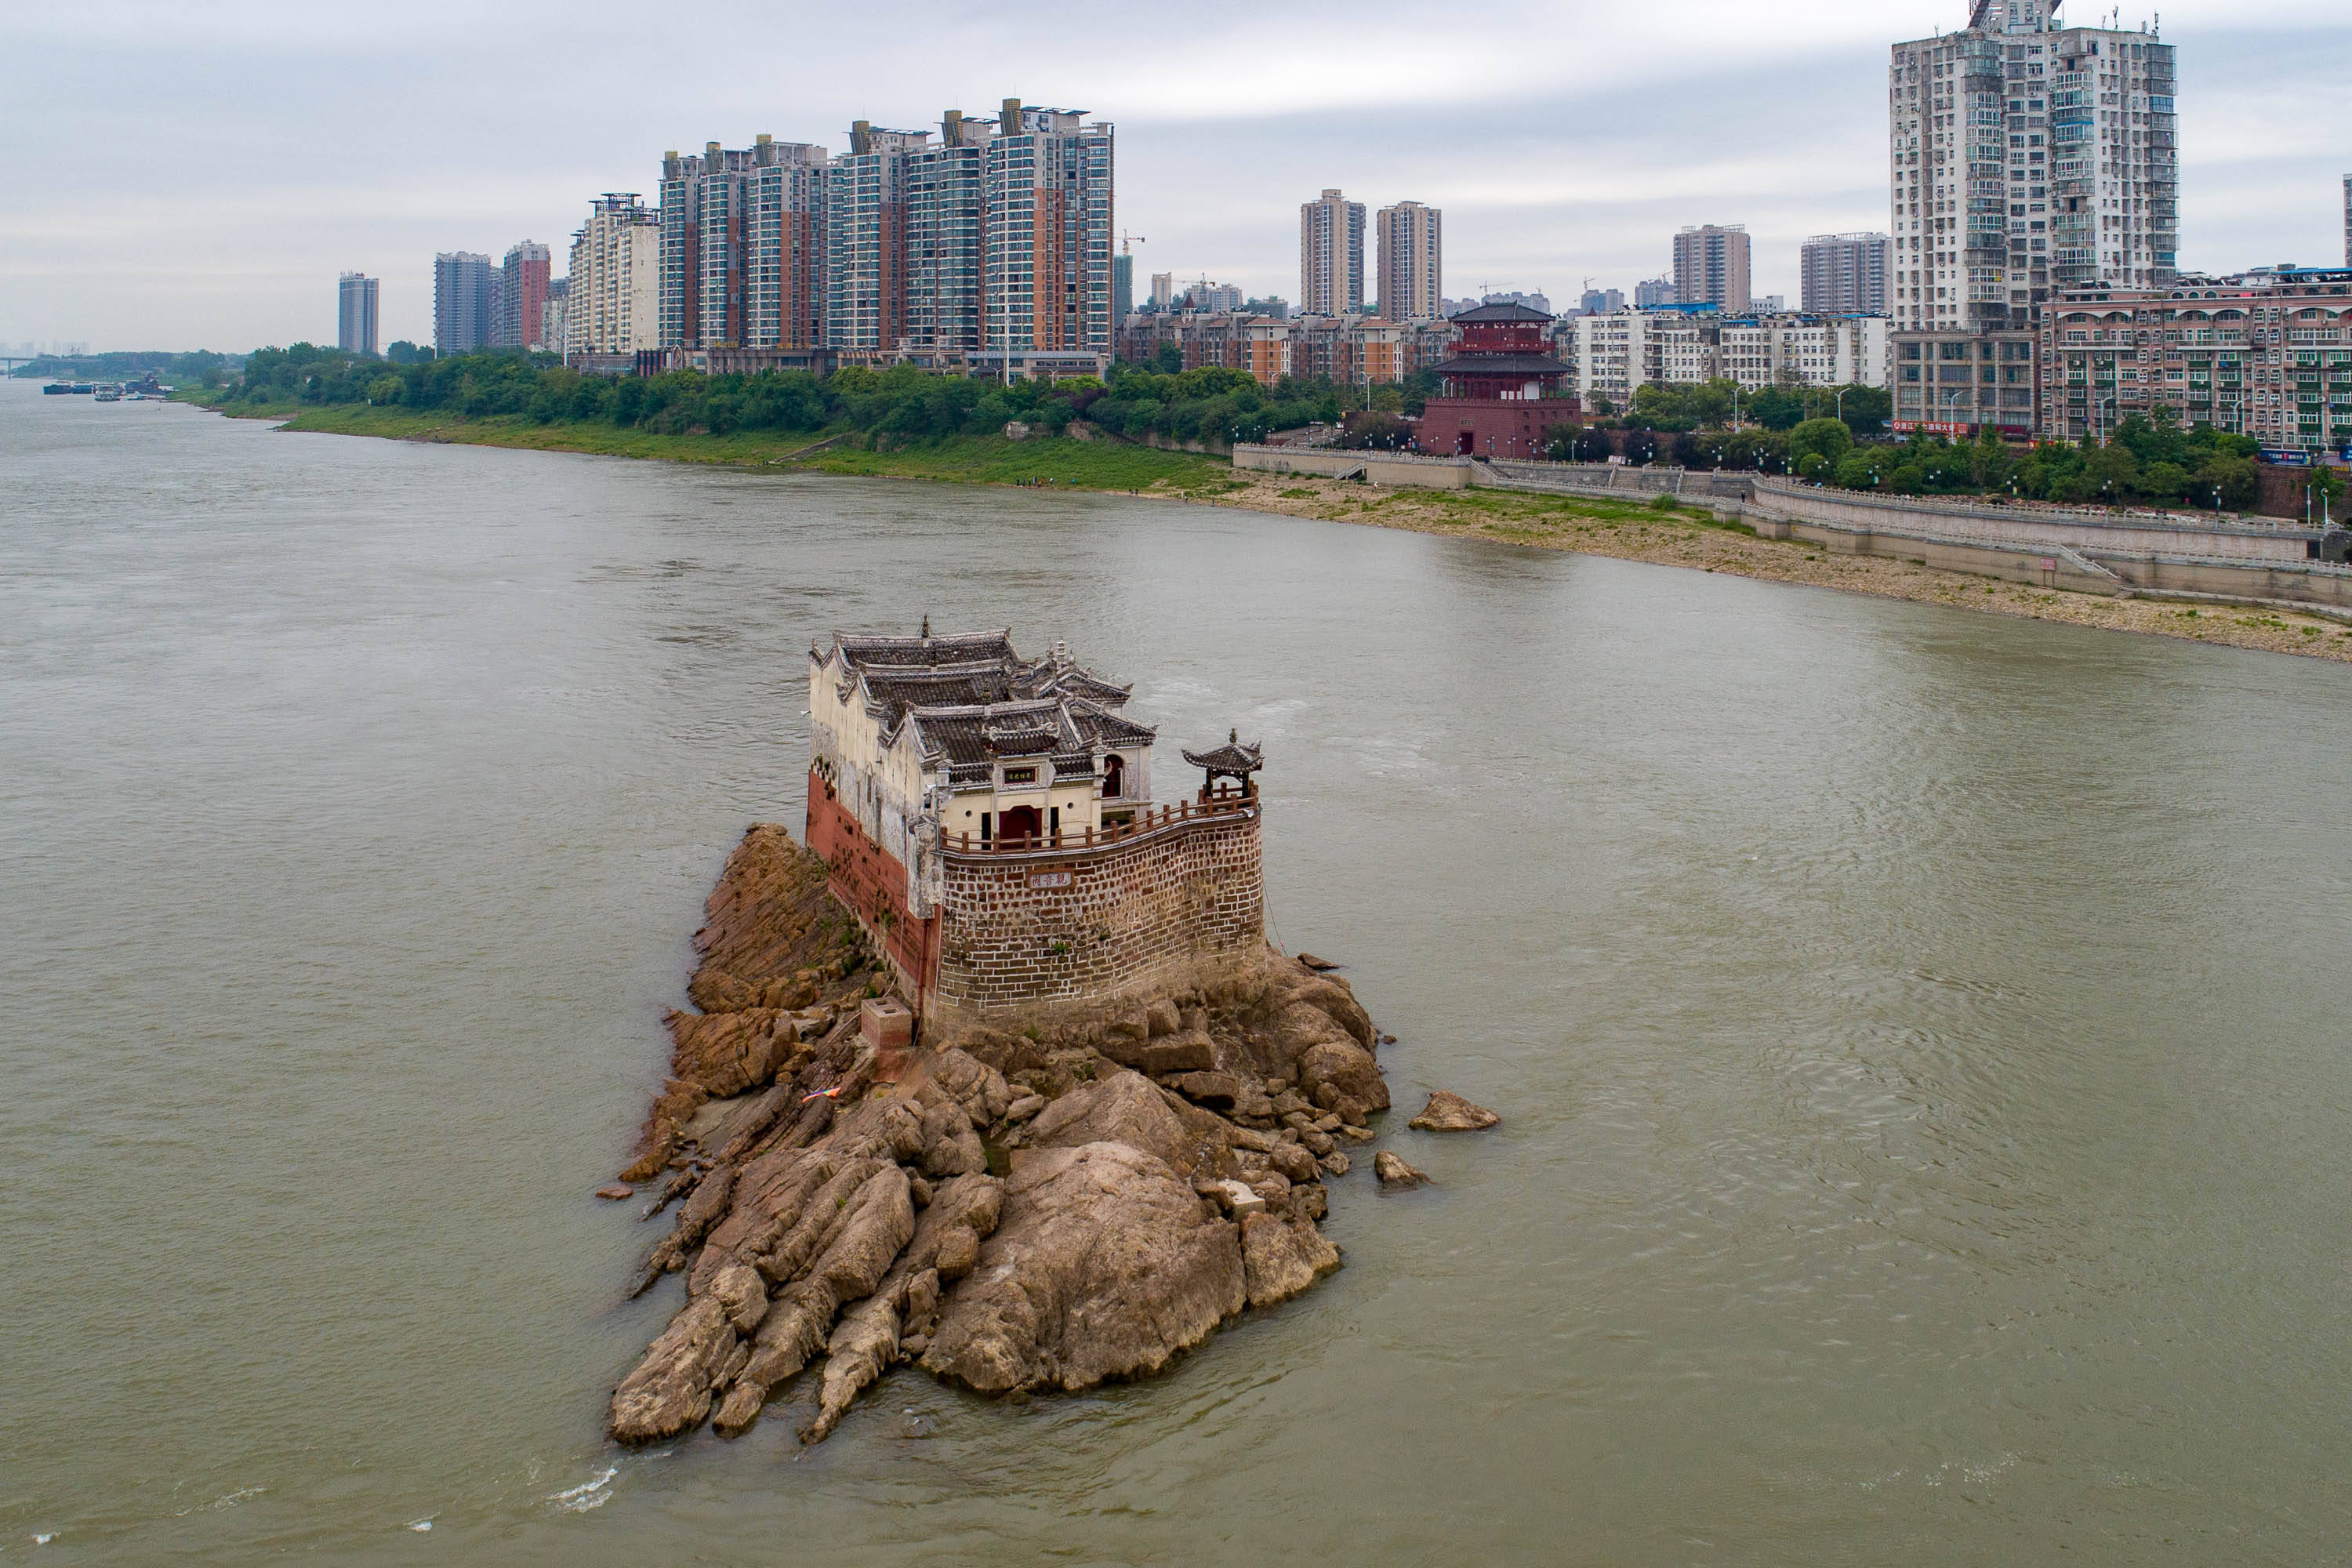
[[1627, 530]]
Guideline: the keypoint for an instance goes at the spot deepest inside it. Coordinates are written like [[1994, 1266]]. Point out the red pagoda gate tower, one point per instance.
[[1502, 390]]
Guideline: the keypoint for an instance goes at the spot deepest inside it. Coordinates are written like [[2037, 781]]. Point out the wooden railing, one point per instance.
[[1150, 819]]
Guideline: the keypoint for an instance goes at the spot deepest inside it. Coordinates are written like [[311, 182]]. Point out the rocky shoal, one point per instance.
[[1051, 1208]]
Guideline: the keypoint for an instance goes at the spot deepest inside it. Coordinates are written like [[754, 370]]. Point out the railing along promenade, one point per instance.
[[1147, 823]]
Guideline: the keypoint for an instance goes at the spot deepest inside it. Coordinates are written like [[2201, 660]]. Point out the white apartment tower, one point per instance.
[[1409, 241], [2027, 155], [1330, 255], [613, 302]]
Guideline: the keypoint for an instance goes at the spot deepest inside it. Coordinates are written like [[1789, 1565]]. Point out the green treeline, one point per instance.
[[1790, 431], [1710, 405], [1213, 405], [203, 365], [1793, 430]]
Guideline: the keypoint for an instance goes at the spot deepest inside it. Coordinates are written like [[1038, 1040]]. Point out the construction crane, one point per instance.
[[1124, 237]]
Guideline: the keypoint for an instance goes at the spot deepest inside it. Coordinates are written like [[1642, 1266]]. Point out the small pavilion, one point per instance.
[[1231, 761]]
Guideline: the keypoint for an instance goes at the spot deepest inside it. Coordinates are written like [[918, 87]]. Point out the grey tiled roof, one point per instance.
[[973, 702]]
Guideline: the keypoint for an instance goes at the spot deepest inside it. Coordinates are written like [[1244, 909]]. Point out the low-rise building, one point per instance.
[[2265, 354], [1612, 356], [1958, 379], [1353, 351]]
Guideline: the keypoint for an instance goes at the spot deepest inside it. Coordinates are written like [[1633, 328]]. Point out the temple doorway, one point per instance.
[[1465, 444], [1017, 824], [1114, 777]]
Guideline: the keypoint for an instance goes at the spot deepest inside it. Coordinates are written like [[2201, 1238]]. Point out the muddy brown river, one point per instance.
[[1923, 1036]]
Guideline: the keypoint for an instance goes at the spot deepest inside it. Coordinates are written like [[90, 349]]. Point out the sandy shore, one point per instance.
[[1633, 531]]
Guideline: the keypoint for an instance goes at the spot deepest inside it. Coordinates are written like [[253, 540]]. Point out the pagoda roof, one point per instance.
[[968, 700], [1233, 757], [957, 648], [1500, 313]]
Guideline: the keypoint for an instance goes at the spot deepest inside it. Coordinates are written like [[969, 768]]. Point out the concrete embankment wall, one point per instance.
[[2055, 563], [1398, 471], [2084, 552], [2034, 526]]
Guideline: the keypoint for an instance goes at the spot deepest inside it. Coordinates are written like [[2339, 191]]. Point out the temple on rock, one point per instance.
[[989, 818]]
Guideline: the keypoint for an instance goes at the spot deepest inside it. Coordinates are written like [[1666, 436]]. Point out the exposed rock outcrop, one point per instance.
[[1282, 1258], [1449, 1112], [1394, 1172], [822, 1216], [1106, 1266]]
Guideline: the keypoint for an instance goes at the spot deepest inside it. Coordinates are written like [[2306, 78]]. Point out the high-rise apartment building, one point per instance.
[[613, 304], [1163, 290], [554, 315], [1652, 292], [1046, 278], [782, 253], [714, 271], [1601, 301], [522, 296], [1122, 289], [1330, 255], [993, 238], [1845, 274], [2027, 156], [947, 228], [465, 302], [702, 213], [1711, 267], [355, 314], [1409, 241], [865, 237], [2348, 220]]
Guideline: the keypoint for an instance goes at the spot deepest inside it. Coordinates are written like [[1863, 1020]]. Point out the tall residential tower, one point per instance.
[[465, 301], [523, 282], [1845, 274], [1330, 255], [2025, 156], [355, 314], [1410, 242], [1711, 267], [613, 303]]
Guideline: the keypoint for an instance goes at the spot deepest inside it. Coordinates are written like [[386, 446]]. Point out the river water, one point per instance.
[[1921, 1035]]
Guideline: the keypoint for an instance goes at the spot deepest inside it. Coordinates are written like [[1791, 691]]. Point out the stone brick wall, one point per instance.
[[1030, 930]]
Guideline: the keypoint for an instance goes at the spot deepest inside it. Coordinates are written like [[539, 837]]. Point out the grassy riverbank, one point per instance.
[[1098, 465], [1626, 530]]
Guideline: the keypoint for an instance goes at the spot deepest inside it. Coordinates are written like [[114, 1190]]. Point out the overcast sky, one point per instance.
[[194, 175]]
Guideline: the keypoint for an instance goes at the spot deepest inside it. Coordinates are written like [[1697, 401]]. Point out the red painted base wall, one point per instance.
[[872, 883], [1498, 427]]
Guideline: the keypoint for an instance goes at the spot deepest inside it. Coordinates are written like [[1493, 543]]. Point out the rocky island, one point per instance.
[[998, 1073]]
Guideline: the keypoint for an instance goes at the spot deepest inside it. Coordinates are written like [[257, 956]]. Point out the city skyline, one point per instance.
[[201, 241]]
